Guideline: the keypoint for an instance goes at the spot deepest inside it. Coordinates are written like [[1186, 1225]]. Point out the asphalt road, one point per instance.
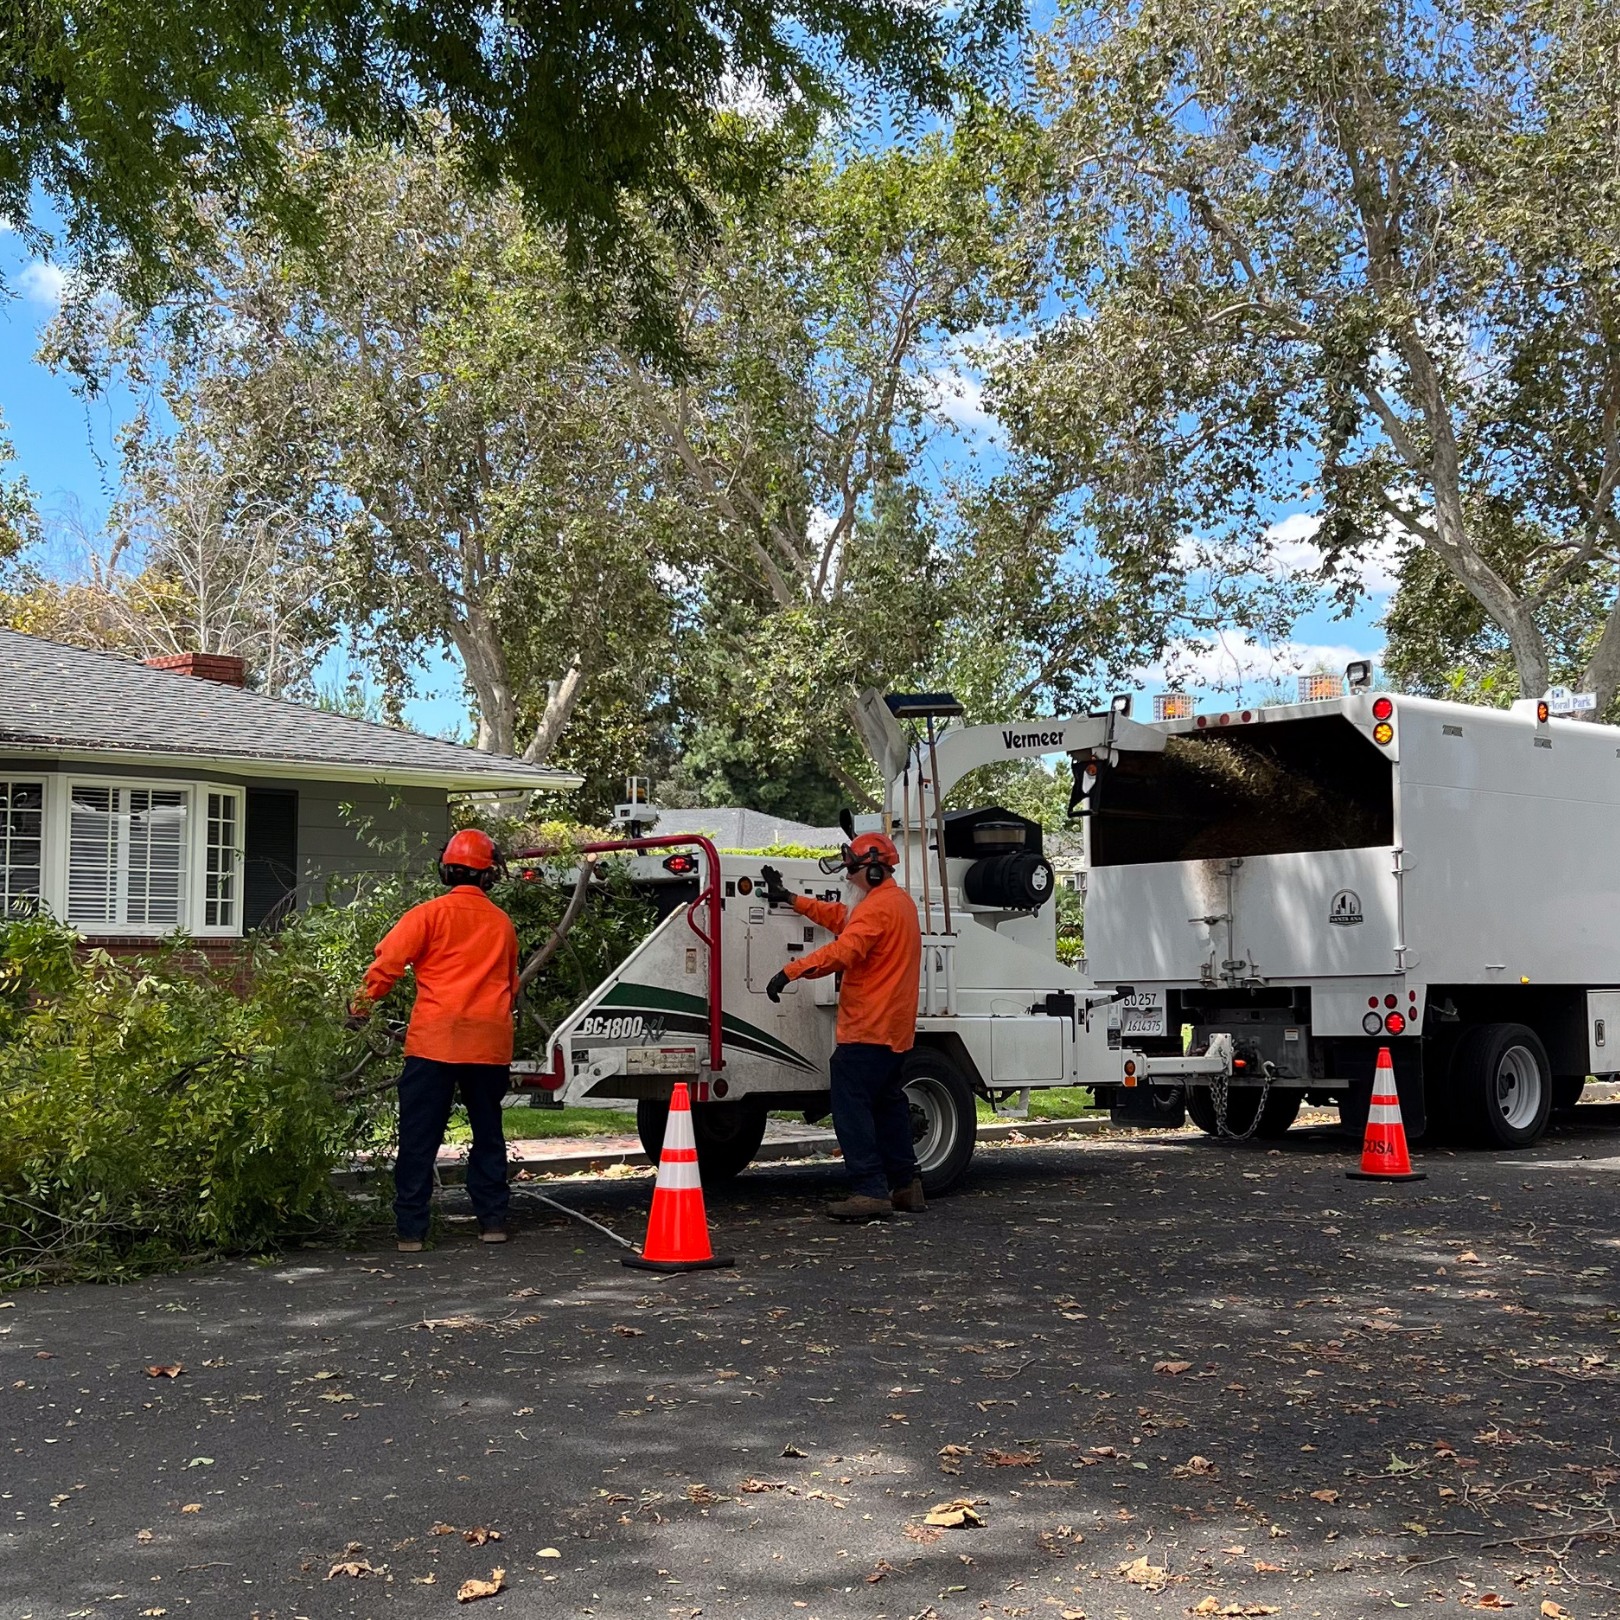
[[1168, 1376]]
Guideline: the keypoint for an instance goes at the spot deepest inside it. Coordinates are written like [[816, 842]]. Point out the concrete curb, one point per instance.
[[819, 1145]]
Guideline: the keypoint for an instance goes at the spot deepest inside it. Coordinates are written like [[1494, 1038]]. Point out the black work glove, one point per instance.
[[776, 891], [777, 985]]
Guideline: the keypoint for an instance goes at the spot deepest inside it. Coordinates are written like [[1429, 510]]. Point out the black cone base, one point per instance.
[[712, 1264], [1368, 1175]]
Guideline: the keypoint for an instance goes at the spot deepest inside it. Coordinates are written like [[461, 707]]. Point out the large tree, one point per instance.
[[1358, 258], [121, 115], [842, 547], [463, 460]]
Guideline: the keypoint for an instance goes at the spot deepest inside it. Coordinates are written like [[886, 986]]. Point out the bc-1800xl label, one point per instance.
[[631, 1028]]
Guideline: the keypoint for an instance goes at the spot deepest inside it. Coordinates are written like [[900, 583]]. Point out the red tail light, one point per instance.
[[1383, 708], [1395, 1024], [681, 865]]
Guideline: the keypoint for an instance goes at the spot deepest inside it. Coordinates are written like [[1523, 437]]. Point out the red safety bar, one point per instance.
[[708, 896]]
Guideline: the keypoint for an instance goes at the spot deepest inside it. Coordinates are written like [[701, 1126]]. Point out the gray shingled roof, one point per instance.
[[64, 700]]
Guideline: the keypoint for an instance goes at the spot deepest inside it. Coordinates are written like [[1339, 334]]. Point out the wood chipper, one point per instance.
[[999, 1015]]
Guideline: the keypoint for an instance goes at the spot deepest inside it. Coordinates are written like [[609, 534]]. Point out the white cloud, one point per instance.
[[1377, 565], [958, 399], [1240, 666], [42, 283]]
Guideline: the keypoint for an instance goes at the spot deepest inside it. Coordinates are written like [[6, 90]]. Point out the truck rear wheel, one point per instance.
[[728, 1134], [944, 1119], [1501, 1085], [1281, 1110]]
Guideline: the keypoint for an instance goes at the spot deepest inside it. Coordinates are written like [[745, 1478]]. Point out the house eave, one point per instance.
[[531, 779]]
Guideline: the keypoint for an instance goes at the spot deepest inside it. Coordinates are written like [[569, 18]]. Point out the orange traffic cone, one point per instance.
[[1383, 1149], [678, 1228]]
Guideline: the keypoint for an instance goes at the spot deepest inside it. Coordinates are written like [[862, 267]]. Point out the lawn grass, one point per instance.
[[529, 1123], [1060, 1102], [1063, 1102]]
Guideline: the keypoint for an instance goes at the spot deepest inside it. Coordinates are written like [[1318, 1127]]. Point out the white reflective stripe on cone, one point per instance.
[[681, 1175], [1382, 1114], [1387, 1099], [678, 1130]]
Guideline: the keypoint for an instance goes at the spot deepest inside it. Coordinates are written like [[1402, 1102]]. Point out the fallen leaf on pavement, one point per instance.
[[1171, 1369], [1324, 1496], [471, 1591], [143, 1536], [1195, 1467], [173, 1370], [1493, 1600], [1212, 1605], [1554, 1611], [629, 1332], [357, 1567], [884, 1567], [548, 1552], [757, 1487], [192, 1507], [1261, 1567], [1011, 1459], [924, 1533], [1469, 1258], [952, 1515], [791, 1450], [1139, 1572], [442, 1529], [477, 1538]]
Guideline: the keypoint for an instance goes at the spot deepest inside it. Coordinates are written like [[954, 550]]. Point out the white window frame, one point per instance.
[[44, 778], [59, 786]]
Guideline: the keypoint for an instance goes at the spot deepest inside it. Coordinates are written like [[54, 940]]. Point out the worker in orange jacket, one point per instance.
[[464, 951], [878, 949]]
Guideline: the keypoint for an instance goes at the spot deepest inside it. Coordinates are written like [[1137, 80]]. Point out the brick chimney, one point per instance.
[[218, 667]]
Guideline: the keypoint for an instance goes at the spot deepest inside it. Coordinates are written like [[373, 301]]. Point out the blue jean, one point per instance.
[[427, 1092], [872, 1118]]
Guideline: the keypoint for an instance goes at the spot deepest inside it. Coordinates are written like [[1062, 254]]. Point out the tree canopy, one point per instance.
[[122, 114], [1359, 258]]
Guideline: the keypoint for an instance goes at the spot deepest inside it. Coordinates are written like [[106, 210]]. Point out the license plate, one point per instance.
[[1142, 1014]]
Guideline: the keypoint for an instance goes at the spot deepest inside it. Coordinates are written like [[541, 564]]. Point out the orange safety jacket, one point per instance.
[[879, 952], [465, 953]]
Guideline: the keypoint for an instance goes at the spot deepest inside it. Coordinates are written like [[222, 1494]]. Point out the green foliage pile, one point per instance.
[[157, 1109]]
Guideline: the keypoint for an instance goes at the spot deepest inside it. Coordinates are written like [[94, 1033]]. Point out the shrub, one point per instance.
[[154, 1110]]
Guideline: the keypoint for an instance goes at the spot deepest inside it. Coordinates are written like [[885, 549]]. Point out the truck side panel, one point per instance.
[[1511, 833]]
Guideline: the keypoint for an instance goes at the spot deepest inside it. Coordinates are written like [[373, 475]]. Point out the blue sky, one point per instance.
[[67, 450]]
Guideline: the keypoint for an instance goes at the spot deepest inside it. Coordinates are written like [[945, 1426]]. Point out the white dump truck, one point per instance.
[[999, 1014], [1275, 893]]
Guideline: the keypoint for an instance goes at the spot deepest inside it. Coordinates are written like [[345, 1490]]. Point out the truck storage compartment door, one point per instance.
[[1280, 917]]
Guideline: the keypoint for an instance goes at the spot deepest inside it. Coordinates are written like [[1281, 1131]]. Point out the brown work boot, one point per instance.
[[909, 1200], [860, 1208]]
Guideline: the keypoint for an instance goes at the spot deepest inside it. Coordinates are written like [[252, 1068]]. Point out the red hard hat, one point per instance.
[[874, 843], [470, 848]]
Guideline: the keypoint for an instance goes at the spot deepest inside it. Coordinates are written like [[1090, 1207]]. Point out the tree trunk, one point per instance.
[[561, 698], [484, 662]]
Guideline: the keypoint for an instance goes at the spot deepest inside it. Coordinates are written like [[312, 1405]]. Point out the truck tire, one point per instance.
[[1281, 1110], [944, 1118], [1201, 1109], [727, 1134], [1501, 1085]]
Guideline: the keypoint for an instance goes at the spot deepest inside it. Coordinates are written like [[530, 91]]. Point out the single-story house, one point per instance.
[[137, 799]]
